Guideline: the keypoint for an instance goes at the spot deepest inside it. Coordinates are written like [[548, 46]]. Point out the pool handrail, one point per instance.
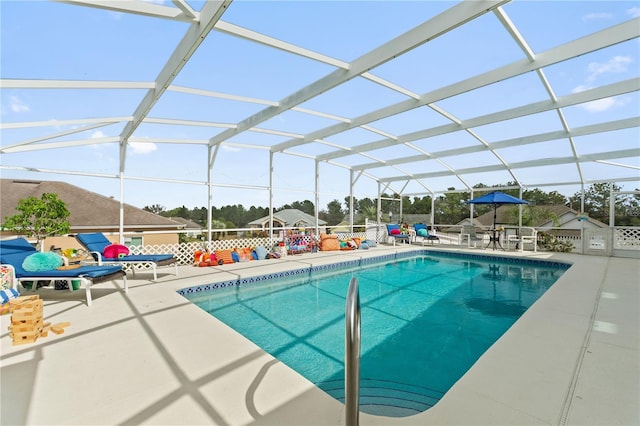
[[352, 355]]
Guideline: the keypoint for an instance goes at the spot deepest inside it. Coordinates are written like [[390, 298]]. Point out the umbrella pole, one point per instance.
[[495, 215]]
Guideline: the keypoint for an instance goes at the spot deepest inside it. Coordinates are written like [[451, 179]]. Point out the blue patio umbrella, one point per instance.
[[497, 198]]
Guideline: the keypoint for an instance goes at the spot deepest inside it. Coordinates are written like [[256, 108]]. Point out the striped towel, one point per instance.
[[8, 294]]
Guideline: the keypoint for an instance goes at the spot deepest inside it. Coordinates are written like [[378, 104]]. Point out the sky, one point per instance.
[[167, 164]]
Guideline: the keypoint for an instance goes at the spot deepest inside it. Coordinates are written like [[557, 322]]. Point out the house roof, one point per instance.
[[417, 218], [505, 214], [290, 217], [188, 224], [88, 210]]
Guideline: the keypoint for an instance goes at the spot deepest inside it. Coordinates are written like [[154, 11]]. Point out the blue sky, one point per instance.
[[49, 40]]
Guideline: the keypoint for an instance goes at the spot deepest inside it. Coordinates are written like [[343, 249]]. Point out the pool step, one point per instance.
[[387, 398]]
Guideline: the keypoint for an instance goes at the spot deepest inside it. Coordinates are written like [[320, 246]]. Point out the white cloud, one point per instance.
[[596, 16], [634, 12], [599, 105], [17, 105], [97, 134], [617, 64], [143, 147]]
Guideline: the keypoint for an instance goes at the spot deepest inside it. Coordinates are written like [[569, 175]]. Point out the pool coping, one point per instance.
[[151, 357], [355, 263]]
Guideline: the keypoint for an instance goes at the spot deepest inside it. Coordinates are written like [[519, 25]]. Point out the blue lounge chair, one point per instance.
[[14, 252], [96, 243], [424, 234], [395, 233]]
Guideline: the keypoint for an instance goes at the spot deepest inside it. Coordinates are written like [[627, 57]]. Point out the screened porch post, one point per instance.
[[520, 206], [612, 206], [271, 198], [123, 153], [351, 201], [317, 196], [433, 209], [379, 204], [211, 155], [121, 224]]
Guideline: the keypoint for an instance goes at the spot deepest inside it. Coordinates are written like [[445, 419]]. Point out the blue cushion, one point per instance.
[[364, 245], [422, 232], [96, 241], [370, 243], [14, 252], [261, 252]]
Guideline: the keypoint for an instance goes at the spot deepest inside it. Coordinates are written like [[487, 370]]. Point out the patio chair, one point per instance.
[[520, 239], [394, 234], [14, 252], [97, 242], [424, 234], [468, 232]]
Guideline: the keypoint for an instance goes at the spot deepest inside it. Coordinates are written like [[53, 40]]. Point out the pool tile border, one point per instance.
[[364, 261]]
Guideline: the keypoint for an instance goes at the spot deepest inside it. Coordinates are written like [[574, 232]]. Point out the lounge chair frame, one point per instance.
[[82, 273], [96, 242], [396, 237]]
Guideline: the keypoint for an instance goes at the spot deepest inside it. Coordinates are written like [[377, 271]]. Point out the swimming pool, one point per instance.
[[426, 319]]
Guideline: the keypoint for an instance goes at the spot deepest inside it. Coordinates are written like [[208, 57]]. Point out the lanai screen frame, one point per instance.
[[209, 20]]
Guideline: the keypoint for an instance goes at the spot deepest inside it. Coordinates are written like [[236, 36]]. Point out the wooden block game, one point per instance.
[[27, 320]]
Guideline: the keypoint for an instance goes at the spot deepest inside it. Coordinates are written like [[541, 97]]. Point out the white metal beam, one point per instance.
[[538, 162], [144, 8], [433, 28], [610, 36], [195, 35]]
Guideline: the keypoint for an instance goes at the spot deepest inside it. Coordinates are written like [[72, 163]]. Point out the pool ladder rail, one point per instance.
[[352, 355]]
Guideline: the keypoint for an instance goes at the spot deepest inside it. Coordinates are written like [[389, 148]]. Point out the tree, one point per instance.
[[451, 207], [305, 206], [536, 197], [155, 208], [182, 212], [334, 214], [39, 217], [596, 204]]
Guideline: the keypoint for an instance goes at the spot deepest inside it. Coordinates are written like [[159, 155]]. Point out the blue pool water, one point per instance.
[[425, 321]]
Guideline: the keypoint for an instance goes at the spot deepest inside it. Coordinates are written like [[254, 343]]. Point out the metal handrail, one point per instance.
[[352, 355]]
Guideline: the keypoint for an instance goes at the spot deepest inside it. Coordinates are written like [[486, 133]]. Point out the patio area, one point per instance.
[[151, 357]]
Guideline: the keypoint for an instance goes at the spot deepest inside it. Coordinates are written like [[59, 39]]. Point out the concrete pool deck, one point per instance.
[[151, 357]]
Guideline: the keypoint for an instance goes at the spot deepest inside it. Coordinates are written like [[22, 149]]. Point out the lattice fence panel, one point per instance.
[[184, 252], [626, 238]]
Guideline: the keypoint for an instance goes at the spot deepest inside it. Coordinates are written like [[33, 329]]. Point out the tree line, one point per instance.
[[450, 208]]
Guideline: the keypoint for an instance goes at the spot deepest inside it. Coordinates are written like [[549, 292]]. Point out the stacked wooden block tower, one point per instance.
[[26, 320]]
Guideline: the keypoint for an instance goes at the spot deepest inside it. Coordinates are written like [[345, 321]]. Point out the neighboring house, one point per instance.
[[193, 230], [566, 220], [90, 212], [287, 218], [411, 219]]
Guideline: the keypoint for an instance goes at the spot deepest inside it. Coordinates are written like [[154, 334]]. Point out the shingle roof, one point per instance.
[[504, 214], [290, 217], [89, 211], [189, 224]]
